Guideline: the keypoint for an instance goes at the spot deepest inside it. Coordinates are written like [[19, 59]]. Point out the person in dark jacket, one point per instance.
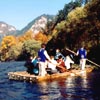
[[29, 65]]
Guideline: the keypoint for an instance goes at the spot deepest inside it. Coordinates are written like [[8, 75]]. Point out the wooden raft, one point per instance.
[[24, 76]]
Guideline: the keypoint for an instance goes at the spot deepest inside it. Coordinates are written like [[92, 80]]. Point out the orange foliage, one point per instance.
[[28, 35], [8, 41], [41, 37]]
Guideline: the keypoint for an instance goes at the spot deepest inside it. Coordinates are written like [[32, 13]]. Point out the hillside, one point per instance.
[[17, 45], [82, 25], [6, 29], [37, 24]]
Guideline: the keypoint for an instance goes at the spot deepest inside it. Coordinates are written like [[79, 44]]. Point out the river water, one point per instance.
[[71, 88]]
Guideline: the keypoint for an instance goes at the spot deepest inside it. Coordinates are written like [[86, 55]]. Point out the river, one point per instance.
[[71, 88]]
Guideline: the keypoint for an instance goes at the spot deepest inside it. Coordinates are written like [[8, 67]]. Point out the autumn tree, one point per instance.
[[6, 44], [41, 37], [28, 35]]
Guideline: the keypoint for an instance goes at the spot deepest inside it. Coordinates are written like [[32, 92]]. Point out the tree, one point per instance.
[[41, 37], [30, 47], [28, 35], [83, 2], [6, 44], [76, 14], [62, 14], [15, 51]]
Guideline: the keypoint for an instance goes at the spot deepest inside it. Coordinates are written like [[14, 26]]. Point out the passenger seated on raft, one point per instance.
[[28, 64], [51, 66], [35, 63], [69, 61], [61, 65], [32, 65], [58, 53]]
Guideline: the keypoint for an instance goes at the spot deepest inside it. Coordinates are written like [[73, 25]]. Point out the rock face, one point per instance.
[[6, 29], [39, 25]]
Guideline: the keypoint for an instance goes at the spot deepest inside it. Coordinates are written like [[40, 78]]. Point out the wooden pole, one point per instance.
[[93, 62], [71, 51], [86, 59]]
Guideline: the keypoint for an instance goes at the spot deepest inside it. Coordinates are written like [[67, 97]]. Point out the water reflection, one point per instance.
[[84, 87], [71, 88], [95, 84], [74, 88], [43, 88], [49, 90]]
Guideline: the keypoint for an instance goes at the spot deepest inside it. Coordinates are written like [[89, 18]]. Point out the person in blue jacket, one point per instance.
[[82, 53]]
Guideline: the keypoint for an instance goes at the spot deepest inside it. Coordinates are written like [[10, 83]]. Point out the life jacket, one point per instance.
[[41, 55]]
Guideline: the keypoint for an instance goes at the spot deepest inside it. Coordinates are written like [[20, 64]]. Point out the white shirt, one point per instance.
[[52, 64], [46, 54]]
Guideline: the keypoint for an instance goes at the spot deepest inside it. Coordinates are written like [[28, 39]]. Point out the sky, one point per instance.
[[19, 13]]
